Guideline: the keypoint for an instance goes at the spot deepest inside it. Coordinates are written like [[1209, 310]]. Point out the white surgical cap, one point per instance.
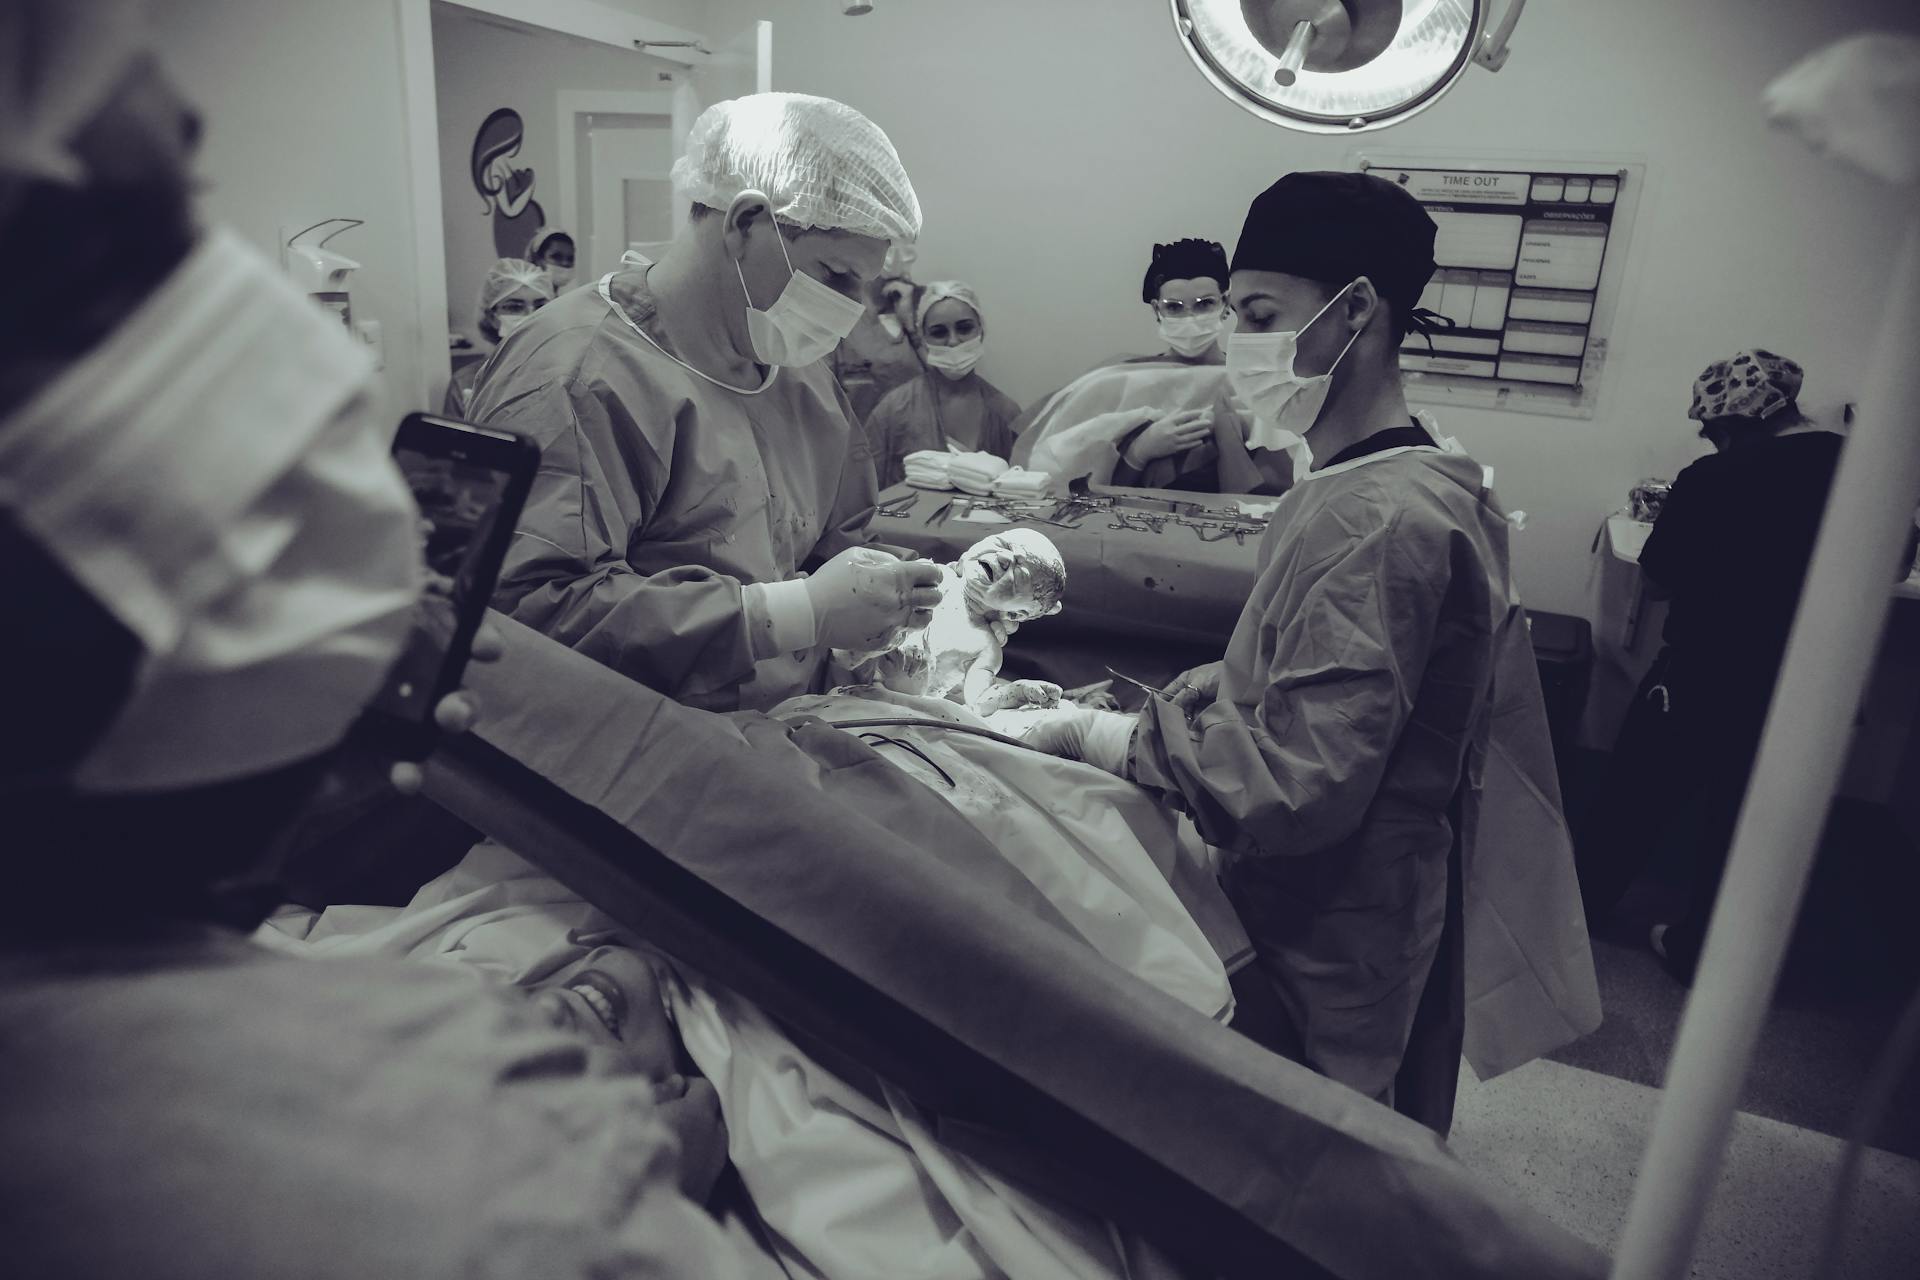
[[940, 291], [820, 162], [59, 61], [508, 276]]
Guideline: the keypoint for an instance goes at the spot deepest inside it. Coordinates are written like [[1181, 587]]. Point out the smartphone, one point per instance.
[[470, 484]]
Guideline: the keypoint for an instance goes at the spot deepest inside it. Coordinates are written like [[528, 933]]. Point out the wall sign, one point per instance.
[[1520, 256], [508, 191]]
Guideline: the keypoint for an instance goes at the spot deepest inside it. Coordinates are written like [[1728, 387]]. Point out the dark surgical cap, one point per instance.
[[1184, 260], [1337, 227]]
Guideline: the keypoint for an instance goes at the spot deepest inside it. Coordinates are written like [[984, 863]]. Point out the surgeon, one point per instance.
[[509, 295], [206, 595], [1335, 754], [697, 455], [950, 406]]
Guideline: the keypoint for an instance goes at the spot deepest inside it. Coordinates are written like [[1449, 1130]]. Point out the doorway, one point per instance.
[[578, 114]]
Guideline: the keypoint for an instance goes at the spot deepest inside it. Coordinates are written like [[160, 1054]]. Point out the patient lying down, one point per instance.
[[1001, 581]]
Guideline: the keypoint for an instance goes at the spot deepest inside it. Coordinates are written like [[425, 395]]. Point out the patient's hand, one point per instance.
[[689, 1106]]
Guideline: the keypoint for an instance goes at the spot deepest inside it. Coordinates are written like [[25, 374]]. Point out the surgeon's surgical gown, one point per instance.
[[660, 495], [1356, 695]]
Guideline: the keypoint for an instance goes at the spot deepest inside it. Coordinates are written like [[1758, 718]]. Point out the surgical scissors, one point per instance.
[[1141, 684]]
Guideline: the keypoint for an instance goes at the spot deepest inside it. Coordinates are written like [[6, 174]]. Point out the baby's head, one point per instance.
[[1017, 576]]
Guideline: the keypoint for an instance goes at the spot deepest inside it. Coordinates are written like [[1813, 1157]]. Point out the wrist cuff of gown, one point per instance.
[[1109, 742], [781, 618]]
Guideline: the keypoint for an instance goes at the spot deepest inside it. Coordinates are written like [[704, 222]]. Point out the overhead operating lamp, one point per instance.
[[1340, 66]]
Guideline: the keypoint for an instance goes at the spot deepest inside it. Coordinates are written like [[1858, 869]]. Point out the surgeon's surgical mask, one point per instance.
[[805, 322], [1191, 335], [957, 361], [1261, 368], [508, 323], [561, 276], [215, 475]]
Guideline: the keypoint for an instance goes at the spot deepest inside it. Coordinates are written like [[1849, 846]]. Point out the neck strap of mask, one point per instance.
[[606, 295]]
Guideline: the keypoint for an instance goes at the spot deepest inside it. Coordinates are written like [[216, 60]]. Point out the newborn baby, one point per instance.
[[1008, 578]]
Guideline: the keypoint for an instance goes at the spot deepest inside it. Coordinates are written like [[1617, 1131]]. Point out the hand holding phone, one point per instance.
[[470, 483]]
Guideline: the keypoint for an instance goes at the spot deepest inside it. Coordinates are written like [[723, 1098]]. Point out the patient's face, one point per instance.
[[611, 996]]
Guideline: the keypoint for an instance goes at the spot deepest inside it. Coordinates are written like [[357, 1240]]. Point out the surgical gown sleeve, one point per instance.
[[682, 631], [1312, 700]]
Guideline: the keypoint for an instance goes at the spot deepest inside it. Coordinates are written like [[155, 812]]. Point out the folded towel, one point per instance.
[[928, 469], [1020, 483], [976, 472]]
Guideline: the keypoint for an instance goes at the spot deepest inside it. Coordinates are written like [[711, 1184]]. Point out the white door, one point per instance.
[[625, 188]]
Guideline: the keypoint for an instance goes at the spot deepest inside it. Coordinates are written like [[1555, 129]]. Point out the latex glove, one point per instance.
[[1171, 433], [1101, 738], [1195, 689], [864, 599]]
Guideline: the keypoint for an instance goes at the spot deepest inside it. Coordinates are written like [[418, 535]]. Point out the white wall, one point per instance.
[[1052, 143], [302, 104], [480, 65]]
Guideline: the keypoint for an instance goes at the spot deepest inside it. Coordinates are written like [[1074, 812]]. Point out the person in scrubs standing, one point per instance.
[[950, 405], [1730, 550], [1335, 754], [552, 250], [696, 453], [509, 295]]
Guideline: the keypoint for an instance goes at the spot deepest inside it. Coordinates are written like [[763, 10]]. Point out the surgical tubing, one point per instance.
[[897, 722]]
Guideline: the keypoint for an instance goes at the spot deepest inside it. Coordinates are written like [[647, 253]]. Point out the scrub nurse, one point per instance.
[[1327, 754]]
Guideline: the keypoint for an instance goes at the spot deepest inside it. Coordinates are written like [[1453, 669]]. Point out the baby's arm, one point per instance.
[[986, 694], [978, 686]]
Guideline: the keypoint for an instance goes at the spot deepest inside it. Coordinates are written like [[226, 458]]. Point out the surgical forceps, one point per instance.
[[1139, 521]]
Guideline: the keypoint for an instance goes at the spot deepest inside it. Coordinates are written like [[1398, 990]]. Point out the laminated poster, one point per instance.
[[1518, 268]]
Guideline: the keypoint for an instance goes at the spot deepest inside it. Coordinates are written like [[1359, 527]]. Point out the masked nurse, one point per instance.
[[950, 406], [1336, 754], [696, 453]]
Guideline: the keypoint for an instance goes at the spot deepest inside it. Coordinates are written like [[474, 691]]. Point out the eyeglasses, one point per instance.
[[1175, 309]]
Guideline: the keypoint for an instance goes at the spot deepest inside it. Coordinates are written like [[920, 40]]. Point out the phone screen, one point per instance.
[[469, 485], [460, 499]]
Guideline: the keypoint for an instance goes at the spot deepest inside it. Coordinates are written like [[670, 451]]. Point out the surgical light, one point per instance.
[[1340, 66]]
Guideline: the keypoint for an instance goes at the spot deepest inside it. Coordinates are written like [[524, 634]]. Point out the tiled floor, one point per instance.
[[1567, 1135], [1568, 1142], [1855, 961]]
